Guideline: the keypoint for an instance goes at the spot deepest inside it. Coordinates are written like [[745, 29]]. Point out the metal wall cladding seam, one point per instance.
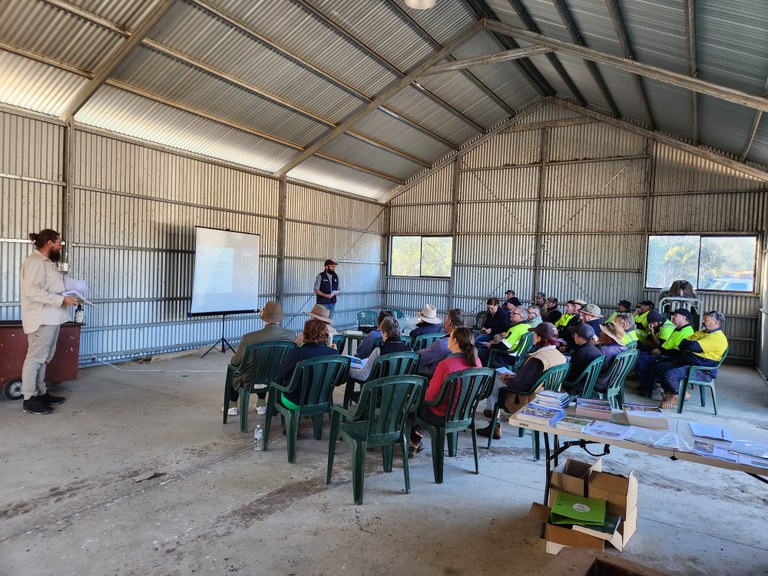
[[315, 41], [506, 149], [57, 33], [32, 148], [481, 283], [124, 113], [620, 250], [593, 215], [612, 177], [421, 220], [28, 207], [355, 279], [134, 169], [601, 287], [508, 250], [678, 171], [321, 242], [593, 141], [494, 218], [499, 185], [315, 206], [709, 212], [437, 187], [330, 174]]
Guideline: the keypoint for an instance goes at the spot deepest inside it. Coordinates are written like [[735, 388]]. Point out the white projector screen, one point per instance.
[[226, 279]]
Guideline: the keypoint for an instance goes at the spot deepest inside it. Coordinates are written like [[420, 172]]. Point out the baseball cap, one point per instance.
[[584, 330], [683, 312], [330, 262]]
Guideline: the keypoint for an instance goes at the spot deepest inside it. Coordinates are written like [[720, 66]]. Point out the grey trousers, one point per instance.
[[42, 347]]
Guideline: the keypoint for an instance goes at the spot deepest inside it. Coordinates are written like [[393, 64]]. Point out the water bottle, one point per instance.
[[258, 438], [79, 314]]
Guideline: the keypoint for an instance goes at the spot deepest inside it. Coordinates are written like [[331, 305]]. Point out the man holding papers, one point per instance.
[[43, 311]]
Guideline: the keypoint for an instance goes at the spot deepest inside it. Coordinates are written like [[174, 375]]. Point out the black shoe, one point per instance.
[[51, 400], [34, 406]]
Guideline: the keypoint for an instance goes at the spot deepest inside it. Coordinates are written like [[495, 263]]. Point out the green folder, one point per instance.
[[573, 509]]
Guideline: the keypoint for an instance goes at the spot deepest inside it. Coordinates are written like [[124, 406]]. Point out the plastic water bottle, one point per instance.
[[258, 438], [79, 314]]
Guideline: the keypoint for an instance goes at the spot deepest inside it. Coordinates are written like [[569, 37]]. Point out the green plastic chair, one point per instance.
[[366, 319], [317, 378], [423, 341], [519, 354], [405, 339], [379, 420], [692, 379], [262, 361], [464, 390], [340, 340], [551, 379], [622, 365], [480, 319], [587, 378], [394, 364], [632, 345], [398, 314]]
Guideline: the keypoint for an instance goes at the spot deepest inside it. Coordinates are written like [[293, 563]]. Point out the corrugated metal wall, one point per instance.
[[564, 206], [129, 226]]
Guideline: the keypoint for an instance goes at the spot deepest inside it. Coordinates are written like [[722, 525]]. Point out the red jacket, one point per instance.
[[453, 363]]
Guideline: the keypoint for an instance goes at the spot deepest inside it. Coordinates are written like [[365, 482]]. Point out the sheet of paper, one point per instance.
[[75, 285], [80, 298]]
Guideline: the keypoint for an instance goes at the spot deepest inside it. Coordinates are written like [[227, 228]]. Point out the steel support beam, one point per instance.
[[489, 59], [101, 75], [457, 41], [634, 67], [753, 130], [693, 67]]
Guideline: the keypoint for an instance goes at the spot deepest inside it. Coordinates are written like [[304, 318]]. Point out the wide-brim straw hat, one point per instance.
[[614, 332], [429, 315], [321, 313], [272, 313]]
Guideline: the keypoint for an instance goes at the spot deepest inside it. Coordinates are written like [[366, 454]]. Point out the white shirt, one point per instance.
[[41, 286]]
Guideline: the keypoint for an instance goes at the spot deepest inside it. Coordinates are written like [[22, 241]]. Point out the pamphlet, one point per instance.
[[712, 449], [713, 431], [77, 296], [607, 430], [573, 509], [749, 448]]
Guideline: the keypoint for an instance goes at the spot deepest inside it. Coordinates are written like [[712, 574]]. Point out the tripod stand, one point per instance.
[[222, 340]]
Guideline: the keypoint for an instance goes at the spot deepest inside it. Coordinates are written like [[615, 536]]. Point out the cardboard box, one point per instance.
[[620, 493], [576, 562], [573, 476], [558, 537]]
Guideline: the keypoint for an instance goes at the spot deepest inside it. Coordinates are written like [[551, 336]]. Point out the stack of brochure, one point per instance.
[[598, 409], [646, 416], [539, 414], [576, 423], [553, 399]]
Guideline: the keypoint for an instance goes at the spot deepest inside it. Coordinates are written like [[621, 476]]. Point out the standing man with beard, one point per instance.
[[43, 311], [327, 286]]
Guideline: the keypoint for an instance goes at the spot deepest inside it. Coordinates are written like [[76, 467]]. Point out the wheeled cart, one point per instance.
[[13, 349]]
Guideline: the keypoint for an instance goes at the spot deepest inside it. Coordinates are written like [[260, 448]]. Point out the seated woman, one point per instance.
[[366, 346], [461, 344], [545, 356], [315, 338], [390, 334]]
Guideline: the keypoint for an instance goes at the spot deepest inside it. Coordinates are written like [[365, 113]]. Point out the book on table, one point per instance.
[[645, 415], [553, 399], [599, 409], [537, 413], [575, 423], [574, 509]]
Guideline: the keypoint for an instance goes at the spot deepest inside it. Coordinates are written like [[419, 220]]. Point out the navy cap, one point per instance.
[[584, 330]]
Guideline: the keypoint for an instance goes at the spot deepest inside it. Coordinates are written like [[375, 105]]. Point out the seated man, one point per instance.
[[390, 334], [366, 346], [658, 329], [705, 347], [551, 313], [534, 316], [429, 322], [627, 322], [540, 300], [510, 295], [271, 315], [611, 345], [572, 317], [508, 342], [591, 314], [665, 351], [625, 307], [641, 318], [496, 322], [438, 350], [584, 353]]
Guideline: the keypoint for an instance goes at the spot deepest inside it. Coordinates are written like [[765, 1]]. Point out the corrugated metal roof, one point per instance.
[[254, 82]]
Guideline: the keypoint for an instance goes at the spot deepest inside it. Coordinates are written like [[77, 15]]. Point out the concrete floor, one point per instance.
[[135, 474]]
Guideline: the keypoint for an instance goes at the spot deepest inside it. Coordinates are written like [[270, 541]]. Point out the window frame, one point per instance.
[[421, 237], [755, 263]]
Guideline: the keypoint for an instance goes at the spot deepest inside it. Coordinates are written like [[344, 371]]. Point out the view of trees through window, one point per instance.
[[708, 262], [421, 256]]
